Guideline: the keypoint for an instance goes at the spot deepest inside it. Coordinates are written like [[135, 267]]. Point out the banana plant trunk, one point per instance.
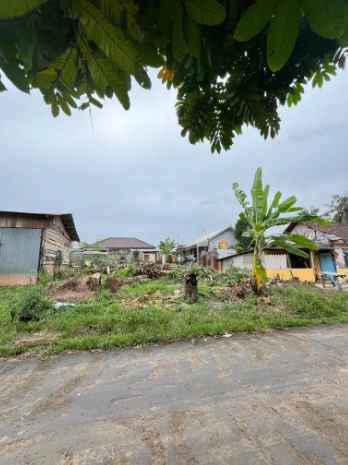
[[258, 271]]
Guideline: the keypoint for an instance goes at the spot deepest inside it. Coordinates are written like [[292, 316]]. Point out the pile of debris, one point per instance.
[[235, 291], [151, 270], [75, 289]]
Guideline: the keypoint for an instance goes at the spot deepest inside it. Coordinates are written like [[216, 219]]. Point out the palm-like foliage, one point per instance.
[[167, 246], [262, 215]]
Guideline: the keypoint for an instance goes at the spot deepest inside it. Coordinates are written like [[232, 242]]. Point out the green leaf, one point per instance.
[[95, 102], [109, 38], [64, 105], [2, 86], [179, 46], [283, 33], [55, 109], [193, 34], [289, 247], [258, 196], [143, 79], [45, 78], [327, 18], [14, 8], [132, 24], [67, 66], [240, 196], [16, 75], [287, 204], [207, 12], [254, 20], [275, 203], [344, 39], [302, 241], [84, 106], [105, 73], [150, 55]]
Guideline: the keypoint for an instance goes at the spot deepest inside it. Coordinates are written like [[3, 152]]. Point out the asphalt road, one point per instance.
[[275, 399]]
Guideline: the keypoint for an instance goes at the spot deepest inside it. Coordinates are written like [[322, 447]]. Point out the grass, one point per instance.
[[107, 322]]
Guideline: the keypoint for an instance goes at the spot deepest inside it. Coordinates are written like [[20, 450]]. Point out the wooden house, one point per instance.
[[207, 249], [330, 256], [34, 242]]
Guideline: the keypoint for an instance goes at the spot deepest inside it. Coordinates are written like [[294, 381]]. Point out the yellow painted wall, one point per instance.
[[303, 274], [343, 271]]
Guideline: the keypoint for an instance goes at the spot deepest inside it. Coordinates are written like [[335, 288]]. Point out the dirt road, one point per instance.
[[274, 399]]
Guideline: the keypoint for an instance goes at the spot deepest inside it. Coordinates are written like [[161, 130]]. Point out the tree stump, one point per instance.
[[191, 288], [94, 282]]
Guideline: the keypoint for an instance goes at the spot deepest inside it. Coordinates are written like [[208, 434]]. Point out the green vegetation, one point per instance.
[[154, 312], [31, 305], [233, 62], [262, 215], [167, 246], [338, 212], [241, 232]]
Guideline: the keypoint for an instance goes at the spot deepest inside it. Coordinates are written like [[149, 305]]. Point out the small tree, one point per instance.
[[241, 231], [262, 216], [167, 247], [338, 212]]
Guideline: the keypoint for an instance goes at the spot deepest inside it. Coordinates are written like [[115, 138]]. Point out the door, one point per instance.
[[327, 264], [19, 255]]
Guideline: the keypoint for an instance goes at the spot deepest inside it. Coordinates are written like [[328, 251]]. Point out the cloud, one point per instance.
[[131, 173]]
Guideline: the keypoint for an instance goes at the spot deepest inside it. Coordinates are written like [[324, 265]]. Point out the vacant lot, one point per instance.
[[154, 311]]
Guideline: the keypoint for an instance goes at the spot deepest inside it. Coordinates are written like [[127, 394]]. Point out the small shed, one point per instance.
[[34, 242]]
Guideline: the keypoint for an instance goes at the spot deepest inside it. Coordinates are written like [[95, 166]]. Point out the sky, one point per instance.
[[132, 174]]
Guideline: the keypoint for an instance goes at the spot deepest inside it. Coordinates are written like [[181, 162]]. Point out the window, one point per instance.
[[299, 262]]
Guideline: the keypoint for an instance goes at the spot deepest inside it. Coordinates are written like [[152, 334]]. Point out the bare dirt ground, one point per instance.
[[274, 399]]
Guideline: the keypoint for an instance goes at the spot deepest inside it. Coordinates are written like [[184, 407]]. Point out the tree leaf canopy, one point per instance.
[[233, 63]]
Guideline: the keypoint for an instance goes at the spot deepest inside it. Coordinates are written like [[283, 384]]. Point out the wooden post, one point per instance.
[[191, 288]]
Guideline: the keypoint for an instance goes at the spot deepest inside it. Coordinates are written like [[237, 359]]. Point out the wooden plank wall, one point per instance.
[[55, 239], [18, 221]]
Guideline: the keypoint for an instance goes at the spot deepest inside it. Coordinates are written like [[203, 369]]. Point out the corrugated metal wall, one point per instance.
[[19, 255]]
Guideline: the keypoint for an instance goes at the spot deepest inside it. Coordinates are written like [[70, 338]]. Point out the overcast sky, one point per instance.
[[132, 174]]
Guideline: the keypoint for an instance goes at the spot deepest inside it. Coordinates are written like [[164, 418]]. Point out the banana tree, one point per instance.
[[262, 215]]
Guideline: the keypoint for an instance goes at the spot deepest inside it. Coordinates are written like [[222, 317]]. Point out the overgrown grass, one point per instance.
[[163, 286], [105, 322]]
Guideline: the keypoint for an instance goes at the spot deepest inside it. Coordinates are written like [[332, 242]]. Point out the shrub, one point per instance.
[[177, 272], [44, 278], [125, 272], [233, 276], [31, 305], [204, 272]]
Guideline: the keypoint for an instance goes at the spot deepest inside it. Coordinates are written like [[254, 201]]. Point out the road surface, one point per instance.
[[275, 399]]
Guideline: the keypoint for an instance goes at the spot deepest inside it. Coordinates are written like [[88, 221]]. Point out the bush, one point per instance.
[[177, 272], [233, 276], [204, 272], [31, 305], [125, 272]]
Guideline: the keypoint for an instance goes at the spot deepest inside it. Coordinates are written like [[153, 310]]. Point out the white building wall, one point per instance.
[[275, 261], [227, 235], [340, 259]]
